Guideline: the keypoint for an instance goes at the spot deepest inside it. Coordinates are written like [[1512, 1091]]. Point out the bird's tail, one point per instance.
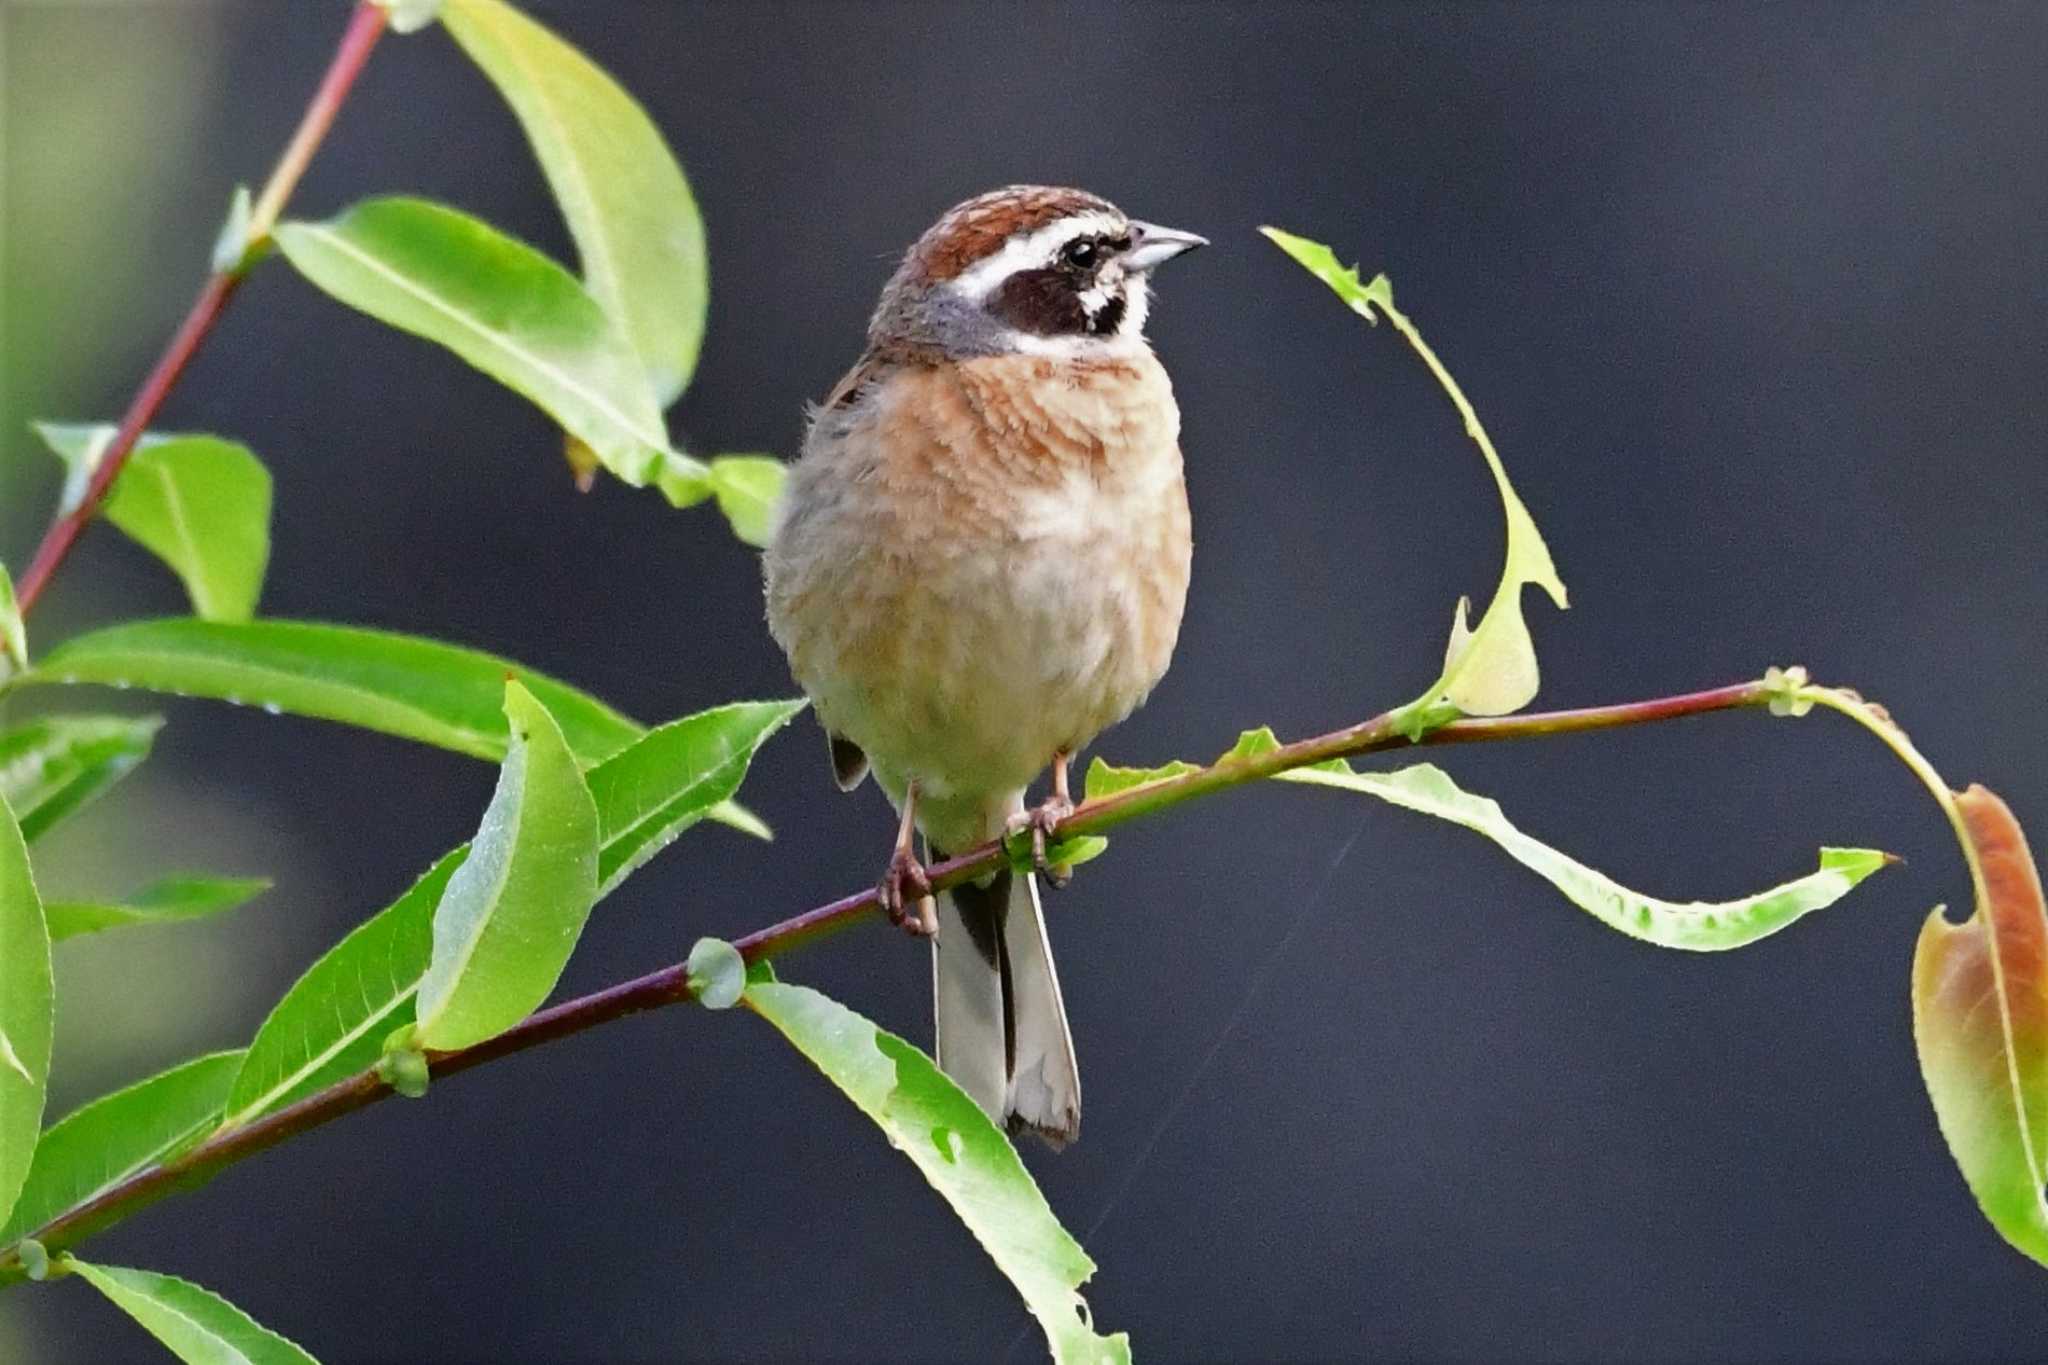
[[1002, 1029]]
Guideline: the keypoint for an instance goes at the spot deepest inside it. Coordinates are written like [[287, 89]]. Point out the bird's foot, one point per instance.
[[1041, 820], [905, 895]]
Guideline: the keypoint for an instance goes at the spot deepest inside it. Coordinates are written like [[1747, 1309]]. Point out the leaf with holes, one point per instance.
[[1489, 669], [1980, 1021], [197, 1325], [953, 1144], [97, 1146], [53, 766], [511, 312], [1701, 926], [628, 206]]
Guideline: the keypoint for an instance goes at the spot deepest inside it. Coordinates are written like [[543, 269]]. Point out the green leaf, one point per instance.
[[717, 973], [199, 503], [1490, 669], [400, 685], [202, 505], [97, 1146], [503, 307], [333, 1021], [674, 777], [231, 245], [396, 684], [513, 911], [198, 1326], [628, 206], [410, 16], [1980, 1023], [27, 1006], [747, 487], [1700, 926], [13, 638], [53, 766], [1104, 779], [169, 901], [955, 1146]]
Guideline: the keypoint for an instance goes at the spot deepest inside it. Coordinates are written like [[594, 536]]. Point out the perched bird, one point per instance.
[[979, 564]]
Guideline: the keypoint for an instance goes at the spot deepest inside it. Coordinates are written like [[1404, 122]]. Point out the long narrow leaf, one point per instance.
[[502, 306], [1702, 926], [197, 1325], [13, 638], [27, 1010], [400, 685], [97, 1146], [628, 206], [955, 1146], [170, 901], [52, 767], [673, 777]]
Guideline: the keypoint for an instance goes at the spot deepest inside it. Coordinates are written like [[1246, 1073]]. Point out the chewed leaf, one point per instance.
[[1105, 779], [1980, 1020], [196, 1325], [628, 206], [1489, 669], [1700, 926], [955, 1146]]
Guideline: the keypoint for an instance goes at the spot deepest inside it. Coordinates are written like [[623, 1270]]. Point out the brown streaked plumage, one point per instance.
[[980, 563]]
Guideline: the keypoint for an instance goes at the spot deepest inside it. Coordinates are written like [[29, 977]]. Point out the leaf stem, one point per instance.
[[365, 26], [671, 985]]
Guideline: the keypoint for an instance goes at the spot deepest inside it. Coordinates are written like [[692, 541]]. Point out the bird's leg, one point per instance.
[[905, 893], [1042, 818]]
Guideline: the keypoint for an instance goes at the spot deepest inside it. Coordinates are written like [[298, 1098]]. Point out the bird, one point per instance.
[[979, 562]]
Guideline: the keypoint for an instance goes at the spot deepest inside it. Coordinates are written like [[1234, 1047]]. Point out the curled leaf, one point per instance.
[[1701, 926], [1980, 1022], [1489, 669]]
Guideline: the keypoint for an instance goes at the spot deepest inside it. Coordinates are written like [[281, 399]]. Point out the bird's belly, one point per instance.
[[994, 652]]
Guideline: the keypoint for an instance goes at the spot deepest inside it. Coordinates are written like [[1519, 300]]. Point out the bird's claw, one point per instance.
[[1042, 820], [905, 895]]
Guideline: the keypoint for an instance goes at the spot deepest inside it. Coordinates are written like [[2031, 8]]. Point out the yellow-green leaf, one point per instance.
[[26, 1011], [628, 206], [197, 1325], [1489, 669]]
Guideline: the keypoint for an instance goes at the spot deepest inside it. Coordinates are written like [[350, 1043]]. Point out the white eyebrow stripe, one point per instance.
[[1029, 251]]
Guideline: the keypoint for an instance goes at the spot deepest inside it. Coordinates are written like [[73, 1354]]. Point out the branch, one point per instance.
[[671, 985], [365, 26]]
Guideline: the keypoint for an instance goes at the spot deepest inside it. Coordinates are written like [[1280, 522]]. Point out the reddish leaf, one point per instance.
[[1980, 1017]]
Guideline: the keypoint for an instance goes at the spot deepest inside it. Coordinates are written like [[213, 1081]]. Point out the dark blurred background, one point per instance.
[[1752, 299]]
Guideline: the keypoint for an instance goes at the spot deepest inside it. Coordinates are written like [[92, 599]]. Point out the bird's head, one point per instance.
[[1029, 269]]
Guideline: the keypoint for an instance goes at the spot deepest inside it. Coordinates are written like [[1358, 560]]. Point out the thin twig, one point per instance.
[[365, 26], [671, 985]]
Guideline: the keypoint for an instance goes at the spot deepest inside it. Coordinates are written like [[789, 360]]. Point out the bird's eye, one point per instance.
[[1080, 253]]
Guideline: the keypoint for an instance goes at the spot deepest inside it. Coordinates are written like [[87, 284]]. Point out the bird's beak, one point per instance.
[[1153, 246]]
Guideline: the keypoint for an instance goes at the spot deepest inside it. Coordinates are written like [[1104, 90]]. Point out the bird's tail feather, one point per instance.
[[1002, 1027]]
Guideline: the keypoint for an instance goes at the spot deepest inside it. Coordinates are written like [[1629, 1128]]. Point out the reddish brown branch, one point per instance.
[[365, 26], [671, 985]]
